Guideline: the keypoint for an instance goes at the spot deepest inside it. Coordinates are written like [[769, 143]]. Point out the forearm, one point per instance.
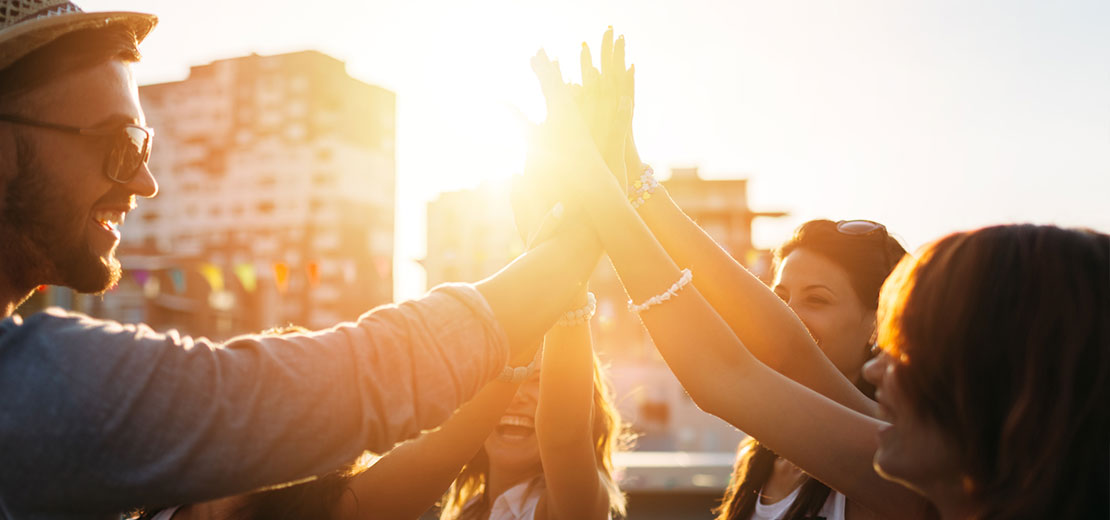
[[564, 425], [692, 338], [142, 418], [410, 478], [726, 380], [565, 408], [528, 295], [766, 325]]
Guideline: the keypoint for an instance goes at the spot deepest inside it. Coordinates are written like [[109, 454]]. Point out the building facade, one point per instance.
[[276, 199]]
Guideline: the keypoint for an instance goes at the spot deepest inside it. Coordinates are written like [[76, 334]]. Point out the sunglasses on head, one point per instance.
[[129, 151], [860, 228]]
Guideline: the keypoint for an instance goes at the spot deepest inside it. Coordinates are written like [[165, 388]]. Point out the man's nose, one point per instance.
[[143, 184]]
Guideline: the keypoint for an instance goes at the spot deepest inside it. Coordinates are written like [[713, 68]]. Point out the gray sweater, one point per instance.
[[97, 417]]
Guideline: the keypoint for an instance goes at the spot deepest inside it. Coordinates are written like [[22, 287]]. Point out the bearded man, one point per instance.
[[99, 417]]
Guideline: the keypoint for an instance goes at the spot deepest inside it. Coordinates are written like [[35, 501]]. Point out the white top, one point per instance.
[[166, 514], [518, 502], [832, 510]]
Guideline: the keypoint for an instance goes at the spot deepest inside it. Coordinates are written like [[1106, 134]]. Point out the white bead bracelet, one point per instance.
[[683, 281], [640, 190], [519, 374], [580, 315]]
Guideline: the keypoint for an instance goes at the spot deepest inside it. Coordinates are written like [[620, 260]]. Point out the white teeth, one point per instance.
[[517, 420], [112, 219]]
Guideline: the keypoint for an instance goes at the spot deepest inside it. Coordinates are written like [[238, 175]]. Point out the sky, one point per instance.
[[929, 117]]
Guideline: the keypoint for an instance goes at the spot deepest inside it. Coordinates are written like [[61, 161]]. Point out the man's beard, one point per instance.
[[46, 236]]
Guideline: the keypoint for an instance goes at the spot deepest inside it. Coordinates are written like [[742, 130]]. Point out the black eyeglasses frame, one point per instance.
[[111, 172]]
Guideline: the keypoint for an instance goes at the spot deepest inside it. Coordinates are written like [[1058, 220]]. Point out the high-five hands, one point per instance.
[[584, 147], [564, 153], [605, 99]]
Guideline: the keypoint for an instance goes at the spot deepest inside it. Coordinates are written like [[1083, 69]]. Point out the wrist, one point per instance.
[[580, 315], [517, 374], [643, 188]]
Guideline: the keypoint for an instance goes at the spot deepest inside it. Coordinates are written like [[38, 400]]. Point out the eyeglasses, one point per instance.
[[130, 148]]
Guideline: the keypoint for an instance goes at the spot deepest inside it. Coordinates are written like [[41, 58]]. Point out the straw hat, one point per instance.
[[26, 25]]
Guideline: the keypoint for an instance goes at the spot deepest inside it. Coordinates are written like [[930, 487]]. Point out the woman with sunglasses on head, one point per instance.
[[829, 273], [983, 326], [768, 327]]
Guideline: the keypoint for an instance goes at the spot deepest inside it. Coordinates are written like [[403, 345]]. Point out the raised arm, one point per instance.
[[410, 478], [564, 426], [766, 325], [770, 330], [713, 365]]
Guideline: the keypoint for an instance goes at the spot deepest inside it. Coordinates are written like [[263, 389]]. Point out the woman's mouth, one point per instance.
[[515, 427]]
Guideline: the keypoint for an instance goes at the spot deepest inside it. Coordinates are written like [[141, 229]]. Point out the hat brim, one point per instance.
[[24, 38]]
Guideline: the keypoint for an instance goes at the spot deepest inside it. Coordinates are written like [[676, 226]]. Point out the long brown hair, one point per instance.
[[867, 260], [1002, 340], [467, 498]]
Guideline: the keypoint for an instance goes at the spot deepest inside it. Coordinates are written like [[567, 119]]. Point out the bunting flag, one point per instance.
[[177, 276], [140, 276], [152, 287], [247, 276], [281, 276], [214, 275], [313, 270]]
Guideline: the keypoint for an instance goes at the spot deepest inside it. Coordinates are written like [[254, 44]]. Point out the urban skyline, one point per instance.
[[928, 117]]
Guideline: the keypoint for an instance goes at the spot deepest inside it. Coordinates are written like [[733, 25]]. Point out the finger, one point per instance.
[[630, 85], [624, 115], [618, 60], [587, 64], [551, 81], [607, 52]]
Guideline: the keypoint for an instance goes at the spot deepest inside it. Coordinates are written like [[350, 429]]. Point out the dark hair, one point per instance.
[[1002, 337], [70, 53], [867, 260], [754, 464]]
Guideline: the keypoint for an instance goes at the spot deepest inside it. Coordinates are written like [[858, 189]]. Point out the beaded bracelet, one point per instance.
[[641, 190], [580, 315], [683, 281], [519, 374]]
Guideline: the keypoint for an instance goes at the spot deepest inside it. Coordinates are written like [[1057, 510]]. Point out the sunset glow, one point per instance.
[[928, 117]]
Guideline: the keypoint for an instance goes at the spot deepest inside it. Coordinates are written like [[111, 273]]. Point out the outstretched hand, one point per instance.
[[621, 83], [563, 153], [605, 101]]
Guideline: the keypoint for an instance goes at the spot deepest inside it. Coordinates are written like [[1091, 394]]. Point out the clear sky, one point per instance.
[[929, 117]]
